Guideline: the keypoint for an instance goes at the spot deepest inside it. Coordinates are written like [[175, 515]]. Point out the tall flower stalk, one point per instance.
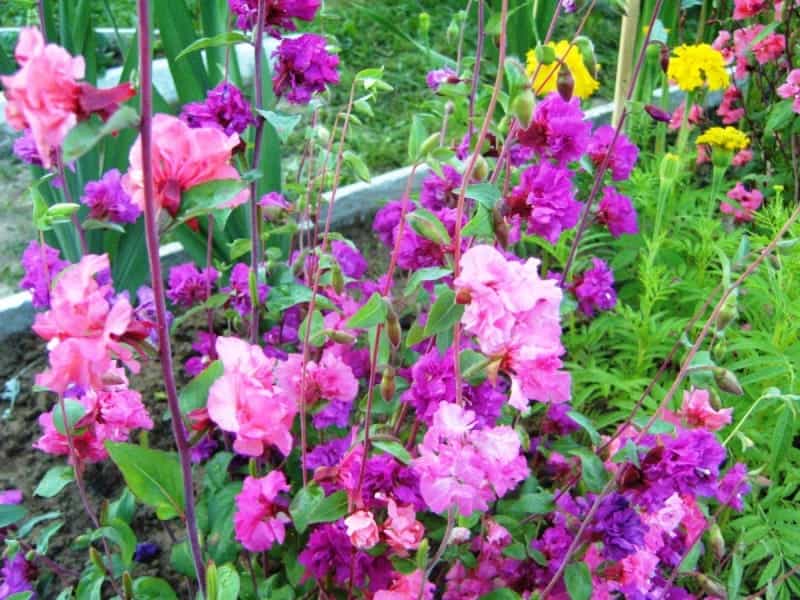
[[157, 282]]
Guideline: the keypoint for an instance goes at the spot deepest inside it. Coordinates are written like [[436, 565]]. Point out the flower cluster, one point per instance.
[[225, 108], [694, 67]]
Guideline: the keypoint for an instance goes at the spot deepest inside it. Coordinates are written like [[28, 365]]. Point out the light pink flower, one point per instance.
[[696, 411], [407, 587], [330, 379], [745, 203], [770, 48], [362, 529], [791, 89], [695, 116], [260, 521], [401, 529], [182, 158], [12, 496], [729, 113], [245, 400]]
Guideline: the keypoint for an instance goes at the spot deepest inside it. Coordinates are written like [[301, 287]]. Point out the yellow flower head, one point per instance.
[[547, 78], [692, 67], [726, 138]]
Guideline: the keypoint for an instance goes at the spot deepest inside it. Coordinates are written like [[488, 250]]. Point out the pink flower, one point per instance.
[[770, 48], [245, 400], [401, 529], [182, 158], [696, 411], [742, 157], [407, 587], [745, 9], [362, 529], [83, 328], [726, 110], [791, 89], [12, 496], [259, 520], [695, 116], [745, 203]]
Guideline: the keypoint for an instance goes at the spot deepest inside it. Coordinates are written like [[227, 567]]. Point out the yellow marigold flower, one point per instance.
[[727, 138], [692, 67], [547, 78]]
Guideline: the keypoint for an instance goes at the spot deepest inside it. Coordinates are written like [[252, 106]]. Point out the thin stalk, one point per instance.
[[157, 282], [255, 221], [683, 133], [717, 179], [627, 47], [476, 72]]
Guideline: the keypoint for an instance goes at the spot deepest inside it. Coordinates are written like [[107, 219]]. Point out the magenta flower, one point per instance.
[[279, 14], [189, 286], [225, 108], [239, 289], [350, 259], [438, 193], [436, 78], [729, 113], [17, 576], [617, 213], [107, 200], [205, 346], [622, 159], [594, 288], [261, 517], [558, 130], [745, 9], [303, 68], [41, 264], [545, 199], [744, 203], [733, 487]]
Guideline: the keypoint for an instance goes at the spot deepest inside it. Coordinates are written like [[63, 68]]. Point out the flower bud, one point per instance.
[[428, 226], [657, 114], [500, 227], [669, 170], [710, 586], [522, 107], [388, 385], [429, 145], [716, 541], [565, 83], [340, 337], [424, 23], [463, 296], [728, 313], [337, 278], [481, 169], [30, 555], [393, 329], [727, 381], [664, 58], [451, 33]]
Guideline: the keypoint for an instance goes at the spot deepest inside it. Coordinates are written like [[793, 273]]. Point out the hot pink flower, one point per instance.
[[770, 48], [745, 9], [407, 587], [182, 158], [245, 401], [362, 529], [791, 89], [695, 116], [696, 411], [745, 203], [401, 529], [260, 521]]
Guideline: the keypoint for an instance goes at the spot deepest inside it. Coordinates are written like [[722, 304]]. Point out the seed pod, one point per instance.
[[716, 541], [565, 83], [522, 107], [481, 170], [393, 329], [424, 23], [451, 33], [340, 337], [669, 170], [337, 278], [463, 296], [388, 385], [664, 58], [727, 381], [429, 145]]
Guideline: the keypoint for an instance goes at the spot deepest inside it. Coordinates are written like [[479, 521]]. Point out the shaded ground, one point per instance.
[[16, 227]]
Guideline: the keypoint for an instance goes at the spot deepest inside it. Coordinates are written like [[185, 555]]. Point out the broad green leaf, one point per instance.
[[204, 198], [578, 580], [216, 471], [55, 480], [484, 194], [593, 471], [284, 124], [221, 540], [501, 594], [228, 583], [537, 503], [426, 274], [473, 366], [444, 313], [310, 505], [779, 117], [396, 449], [74, 410], [120, 533], [355, 162], [228, 38], [369, 315], [586, 424], [282, 297], [152, 588], [480, 225], [87, 134], [194, 394], [154, 477], [90, 585], [180, 559]]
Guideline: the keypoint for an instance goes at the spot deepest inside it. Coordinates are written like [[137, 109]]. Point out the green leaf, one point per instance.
[[396, 449], [180, 559], [204, 198], [480, 225], [194, 395], [87, 134], [55, 480], [221, 540], [578, 580], [473, 365], [152, 588], [537, 503], [593, 470], [283, 123], [120, 533], [369, 77], [33, 522], [90, 585], [75, 412], [228, 38], [444, 313], [628, 453], [310, 506], [369, 315], [122, 508], [20, 596], [154, 477], [355, 162], [282, 297], [586, 424], [781, 440], [416, 136], [426, 274], [45, 535], [484, 194], [175, 23], [501, 594], [735, 576], [228, 583], [216, 471]]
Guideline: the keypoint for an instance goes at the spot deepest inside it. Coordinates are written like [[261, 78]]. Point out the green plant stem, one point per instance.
[[743, 420], [717, 179], [661, 128], [683, 133], [627, 47]]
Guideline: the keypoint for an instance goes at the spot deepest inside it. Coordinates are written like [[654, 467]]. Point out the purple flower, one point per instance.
[[303, 68], [351, 261], [15, 576], [146, 552], [203, 450], [594, 288], [328, 454], [25, 150], [438, 193], [557, 422], [619, 527], [284, 333], [617, 212], [335, 413], [387, 218], [189, 286], [385, 476], [274, 205], [145, 313], [41, 264], [622, 159], [558, 130], [545, 198], [205, 345], [107, 200], [518, 155], [659, 115], [437, 77], [733, 486], [279, 13], [13, 496], [239, 289], [225, 108]]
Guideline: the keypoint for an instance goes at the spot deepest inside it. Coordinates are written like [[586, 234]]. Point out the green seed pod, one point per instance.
[[716, 541], [393, 329], [481, 170], [710, 586], [522, 107], [388, 385], [727, 381], [424, 23], [337, 278], [340, 337]]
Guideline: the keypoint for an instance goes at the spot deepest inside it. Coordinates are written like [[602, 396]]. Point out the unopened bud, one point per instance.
[[393, 329], [340, 337], [463, 296], [522, 107], [388, 385], [96, 559], [30, 555], [727, 381], [669, 170], [710, 586], [565, 83], [424, 23], [716, 541], [337, 278], [728, 313], [127, 585], [664, 58], [500, 227], [481, 169], [428, 226], [323, 134], [451, 33], [713, 399], [430, 144], [657, 114]]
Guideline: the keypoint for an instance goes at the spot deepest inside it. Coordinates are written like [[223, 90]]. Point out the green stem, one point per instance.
[[683, 133], [717, 177]]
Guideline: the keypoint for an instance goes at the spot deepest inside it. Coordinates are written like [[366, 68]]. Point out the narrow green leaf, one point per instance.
[[426, 274], [416, 136], [46, 534], [228, 38], [396, 449], [586, 424], [369, 315], [355, 162], [444, 314], [28, 526], [55, 480]]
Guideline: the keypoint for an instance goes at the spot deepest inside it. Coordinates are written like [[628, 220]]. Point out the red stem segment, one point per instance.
[[151, 235]]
